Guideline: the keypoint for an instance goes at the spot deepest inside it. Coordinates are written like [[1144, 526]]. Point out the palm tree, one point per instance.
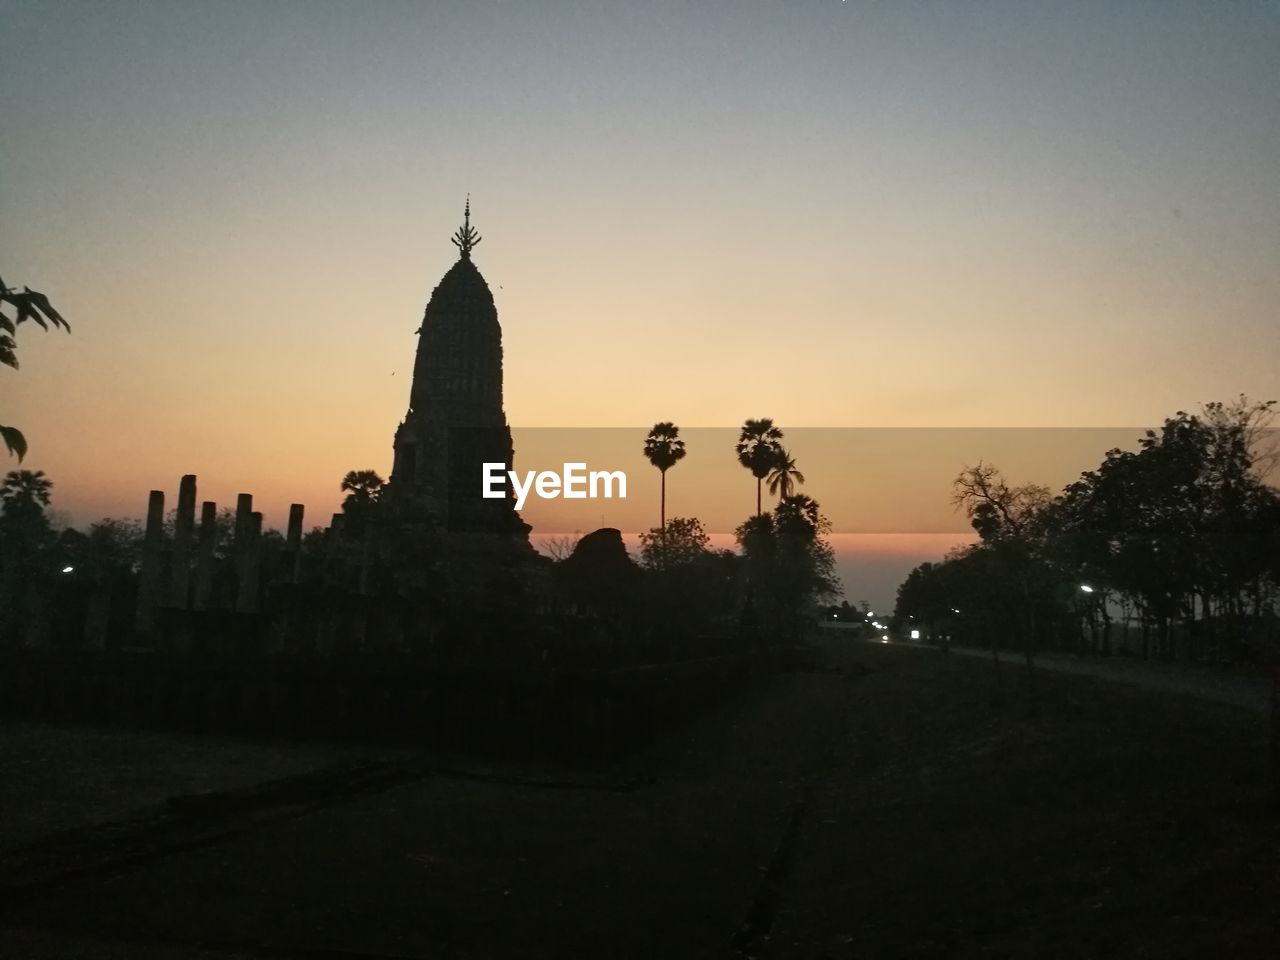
[[799, 515], [23, 497], [363, 488], [784, 476], [664, 449], [758, 450], [25, 491]]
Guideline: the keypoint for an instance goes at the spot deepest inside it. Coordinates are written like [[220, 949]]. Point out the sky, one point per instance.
[[835, 214]]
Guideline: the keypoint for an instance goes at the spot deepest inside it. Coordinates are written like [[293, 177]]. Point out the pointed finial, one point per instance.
[[466, 238]]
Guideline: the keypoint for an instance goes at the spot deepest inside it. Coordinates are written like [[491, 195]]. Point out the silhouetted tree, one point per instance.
[[684, 543], [25, 534], [1252, 423], [561, 547], [1182, 523], [923, 596], [759, 450], [105, 559], [113, 546], [364, 488], [691, 590], [1184, 530], [790, 564], [996, 510], [27, 305], [664, 449], [24, 494], [1008, 521], [784, 476]]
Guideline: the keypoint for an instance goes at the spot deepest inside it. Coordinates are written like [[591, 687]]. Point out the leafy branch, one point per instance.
[[29, 305]]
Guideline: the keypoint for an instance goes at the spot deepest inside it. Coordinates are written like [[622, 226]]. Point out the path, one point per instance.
[[1248, 689]]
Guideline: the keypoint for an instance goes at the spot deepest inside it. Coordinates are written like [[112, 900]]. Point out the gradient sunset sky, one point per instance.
[[834, 214]]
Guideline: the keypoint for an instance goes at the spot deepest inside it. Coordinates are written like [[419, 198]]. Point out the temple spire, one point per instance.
[[466, 237]]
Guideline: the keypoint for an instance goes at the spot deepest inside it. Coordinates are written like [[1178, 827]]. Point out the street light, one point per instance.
[[1085, 588], [68, 569]]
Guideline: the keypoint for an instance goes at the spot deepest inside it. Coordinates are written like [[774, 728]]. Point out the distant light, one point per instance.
[[885, 638], [871, 613], [68, 569], [915, 634], [1085, 588], [955, 609], [835, 616]]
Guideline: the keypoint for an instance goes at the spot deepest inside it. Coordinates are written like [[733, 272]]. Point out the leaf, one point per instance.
[[7, 346], [42, 304], [15, 441], [26, 311]]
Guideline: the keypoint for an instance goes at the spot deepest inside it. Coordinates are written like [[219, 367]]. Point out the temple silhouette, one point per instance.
[[430, 558], [420, 615], [455, 423], [455, 420]]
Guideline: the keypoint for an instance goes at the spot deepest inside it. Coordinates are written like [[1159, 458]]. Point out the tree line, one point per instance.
[[1170, 551]]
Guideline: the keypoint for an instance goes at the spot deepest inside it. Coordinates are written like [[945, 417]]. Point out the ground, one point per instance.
[[877, 805]]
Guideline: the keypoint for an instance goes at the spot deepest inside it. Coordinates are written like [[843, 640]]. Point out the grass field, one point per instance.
[[879, 806]]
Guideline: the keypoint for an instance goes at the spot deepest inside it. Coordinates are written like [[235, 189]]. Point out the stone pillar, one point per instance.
[[244, 511], [150, 588], [250, 565], [203, 599], [240, 543], [183, 526], [293, 543]]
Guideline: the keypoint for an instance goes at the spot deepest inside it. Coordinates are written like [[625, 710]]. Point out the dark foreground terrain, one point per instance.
[[876, 806]]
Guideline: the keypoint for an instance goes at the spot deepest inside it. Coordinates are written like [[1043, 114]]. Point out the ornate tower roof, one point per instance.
[[457, 374], [455, 422]]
